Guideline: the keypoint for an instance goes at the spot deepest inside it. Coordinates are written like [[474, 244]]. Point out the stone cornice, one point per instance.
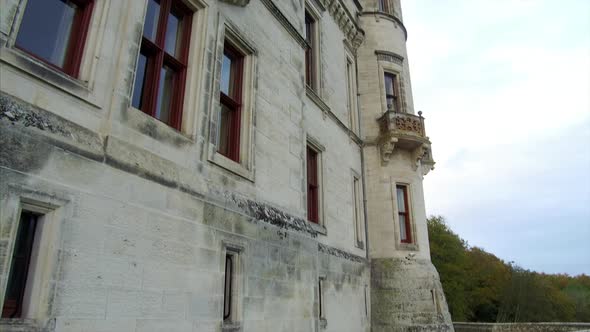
[[345, 20], [292, 30], [391, 18], [340, 253], [389, 57]]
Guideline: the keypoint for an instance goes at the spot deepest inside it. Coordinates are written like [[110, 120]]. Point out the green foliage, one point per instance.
[[480, 287]]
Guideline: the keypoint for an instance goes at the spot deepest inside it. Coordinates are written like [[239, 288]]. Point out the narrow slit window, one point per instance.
[[351, 95], [54, 31], [358, 216], [321, 303], [403, 214], [313, 186], [19, 267], [230, 117], [384, 6], [227, 287], [163, 59], [310, 58]]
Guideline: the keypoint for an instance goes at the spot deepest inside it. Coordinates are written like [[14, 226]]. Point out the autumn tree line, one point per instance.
[[480, 287]]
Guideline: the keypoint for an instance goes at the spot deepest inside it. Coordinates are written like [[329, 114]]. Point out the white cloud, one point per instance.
[[505, 88]]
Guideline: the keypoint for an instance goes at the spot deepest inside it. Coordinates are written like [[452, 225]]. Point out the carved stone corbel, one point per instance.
[[386, 147], [417, 155]]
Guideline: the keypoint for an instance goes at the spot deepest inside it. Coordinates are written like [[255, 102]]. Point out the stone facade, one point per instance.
[[135, 218]]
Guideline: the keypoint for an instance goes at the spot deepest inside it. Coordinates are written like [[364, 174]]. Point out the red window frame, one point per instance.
[[77, 41], [233, 103], [310, 73], [19, 267], [394, 95], [313, 186], [157, 58], [405, 214]]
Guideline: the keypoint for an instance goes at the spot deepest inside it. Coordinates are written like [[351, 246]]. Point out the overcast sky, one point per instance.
[[504, 86]]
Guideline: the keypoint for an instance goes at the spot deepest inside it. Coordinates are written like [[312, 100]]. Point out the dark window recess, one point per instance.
[[54, 31], [321, 298], [312, 186], [230, 118], [227, 288], [310, 25], [19, 267], [403, 214], [161, 68], [384, 6], [392, 94]]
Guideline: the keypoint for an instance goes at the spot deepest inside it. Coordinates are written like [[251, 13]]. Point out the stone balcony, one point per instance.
[[405, 131]]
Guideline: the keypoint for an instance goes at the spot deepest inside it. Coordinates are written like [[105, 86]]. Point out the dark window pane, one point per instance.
[[224, 130], [150, 26], [402, 227], [19, 266], [45, 29], [401, 205], [389, 89], [165, 94], [139, 81], [226, 75], [173, 35], [227, 287]]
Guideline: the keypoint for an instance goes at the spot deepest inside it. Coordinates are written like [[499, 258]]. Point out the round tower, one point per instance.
[[405, 289]]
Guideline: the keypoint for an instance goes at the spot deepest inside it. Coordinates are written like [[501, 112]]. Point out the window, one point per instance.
[[54, 32], [321, 303], [392, 95], [310, 51], [19, 268], [384, 6], [358, 214], [161, 67], [227, 287], [230, 118], [403, 212], [313, 185], [351, 94], [231, 288]]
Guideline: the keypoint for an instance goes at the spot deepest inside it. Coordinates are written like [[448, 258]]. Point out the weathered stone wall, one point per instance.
[[134, 253], [521, 327], [139, 218], [407, 295]]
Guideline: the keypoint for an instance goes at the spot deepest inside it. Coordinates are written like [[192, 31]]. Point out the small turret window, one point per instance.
[[403, 212]]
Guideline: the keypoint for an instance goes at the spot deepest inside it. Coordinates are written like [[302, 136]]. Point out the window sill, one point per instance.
[[231, 327], [230, 165], [18, 325], [320, 229], [407, 246], [23, 62], [313, 95], [156, 129]]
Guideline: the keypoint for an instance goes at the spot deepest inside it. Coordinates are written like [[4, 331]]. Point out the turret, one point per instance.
[[405, 287]]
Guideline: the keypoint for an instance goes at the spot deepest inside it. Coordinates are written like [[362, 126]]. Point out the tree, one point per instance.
[[448, 254]]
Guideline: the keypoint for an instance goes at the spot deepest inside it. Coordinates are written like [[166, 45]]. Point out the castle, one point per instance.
[[212, 165]]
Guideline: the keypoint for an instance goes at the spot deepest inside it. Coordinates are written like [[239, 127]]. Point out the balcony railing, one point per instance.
[[403, 124], [406, 132]]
